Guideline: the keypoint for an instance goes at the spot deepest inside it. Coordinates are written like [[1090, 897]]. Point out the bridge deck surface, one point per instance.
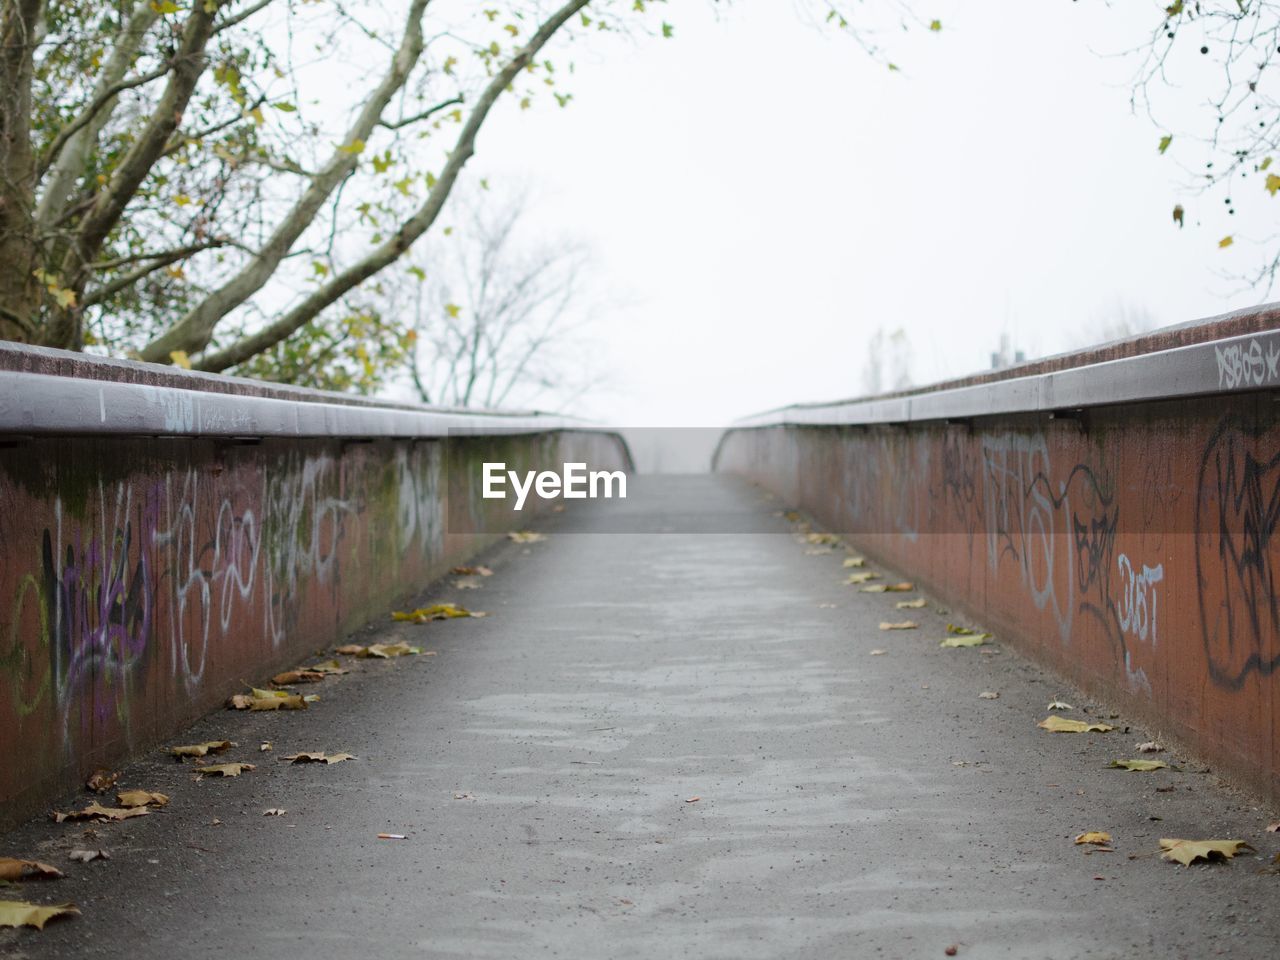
[[541, 766]]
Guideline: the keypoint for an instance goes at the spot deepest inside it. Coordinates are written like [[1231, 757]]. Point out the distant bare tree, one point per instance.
[[500, 317], [1117, 323], [888, 362]]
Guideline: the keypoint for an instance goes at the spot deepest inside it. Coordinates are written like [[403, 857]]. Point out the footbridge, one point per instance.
[[802, 704]]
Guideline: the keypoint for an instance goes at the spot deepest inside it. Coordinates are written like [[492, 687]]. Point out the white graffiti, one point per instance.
[[1138, 605], [1247, 366]]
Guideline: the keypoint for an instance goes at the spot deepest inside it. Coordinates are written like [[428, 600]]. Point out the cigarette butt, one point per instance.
[[392, 836]]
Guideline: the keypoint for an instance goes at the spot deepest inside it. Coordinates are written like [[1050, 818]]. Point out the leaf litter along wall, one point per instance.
[[143, 579], [1135, 550]]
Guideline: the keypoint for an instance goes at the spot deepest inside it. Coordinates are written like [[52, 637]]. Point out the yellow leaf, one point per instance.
[[353, 148], [385, 651], [935, 25], [1142, 766], [224, 769], [919, 603], [862, 577], [452, 309], [96, 811], [1056, 724], [855, 561], [318, 756], [1187, 852], [65, 298], [1094, 836], [1165, 141], [297, 676], [329, 667], [141, 798], [200, 749], [1273, 184], [829, 538], [180, 359], [16, 913], [525, 536], [1226, 242], [13, 870], [969, 640], [902, 625]]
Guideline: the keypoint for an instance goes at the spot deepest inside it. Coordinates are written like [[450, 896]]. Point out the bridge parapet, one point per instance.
[[1115, 513], [166, 535]]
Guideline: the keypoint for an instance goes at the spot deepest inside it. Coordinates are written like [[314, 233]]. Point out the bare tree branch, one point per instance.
[[413, 228]]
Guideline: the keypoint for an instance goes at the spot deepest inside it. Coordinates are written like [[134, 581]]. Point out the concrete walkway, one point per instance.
[[542, 766]]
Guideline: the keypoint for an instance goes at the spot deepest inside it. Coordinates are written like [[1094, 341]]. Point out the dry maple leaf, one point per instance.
[[141, 798], [1056, 724], [100, 781], [329, 667], [437, 611], [1187, 852], [900, 625], [274, 812], [297, 676], [224, 769], [1099, 837], [974, 640], [1139, 766], [472, 572], [96, 811], [855, 561], [822, 538], [917, 604], [86, 856], [14, 870], [349, 649], [15, 913], [201, 749]]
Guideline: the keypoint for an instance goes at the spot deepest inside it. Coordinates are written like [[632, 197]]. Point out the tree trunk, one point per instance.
[[19, 289]]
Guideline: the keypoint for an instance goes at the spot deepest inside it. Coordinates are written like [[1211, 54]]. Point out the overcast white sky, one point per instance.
[[761, 197]]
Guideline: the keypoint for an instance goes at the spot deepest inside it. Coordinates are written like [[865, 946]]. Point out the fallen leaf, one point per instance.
[[989, 695], [900, 625], [1139, 765], [692, 799], [100, 781], [1187, 852], [141, 798], [1056, 724], [525, 536], [268, 700], [855, 561], [826, 606], [472, 572], [297, 676], [274, 812], [862, 577], [1149, 747], [15, 913], [1094, 836], [1059, 705], [977, 640], [466, 584], [1273, 827], [265, 746], [889, 588], [96, 811], [385, 651], [318, 756], [329, 667], [437, 611], [822, 538], [224, 769], [350, 649], [919, 603], [878, 653], [86, 856], [201, 749], [13, 870], [964, 631], [392, 836], [463, 796]]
